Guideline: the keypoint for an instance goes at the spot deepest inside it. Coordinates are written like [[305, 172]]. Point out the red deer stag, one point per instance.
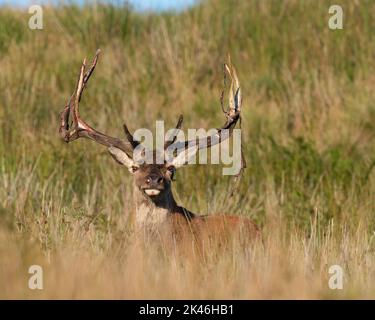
[[155, 205]]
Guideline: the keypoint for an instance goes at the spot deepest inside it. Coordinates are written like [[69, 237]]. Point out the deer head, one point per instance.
[[152, 178]]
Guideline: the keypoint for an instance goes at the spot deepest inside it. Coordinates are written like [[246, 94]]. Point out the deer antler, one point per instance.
[[232, 114], [79, 128], [175, 132]]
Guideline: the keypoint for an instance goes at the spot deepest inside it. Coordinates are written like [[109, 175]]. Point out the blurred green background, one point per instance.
[[308, 108]]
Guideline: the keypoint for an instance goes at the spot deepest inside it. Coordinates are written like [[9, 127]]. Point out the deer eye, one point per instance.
[[171, 170], [134, 168]]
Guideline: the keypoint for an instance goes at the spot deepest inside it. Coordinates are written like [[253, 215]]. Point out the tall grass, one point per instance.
[[308, 126]]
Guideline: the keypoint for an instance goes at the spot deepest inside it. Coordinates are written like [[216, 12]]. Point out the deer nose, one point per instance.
[[153, 178]]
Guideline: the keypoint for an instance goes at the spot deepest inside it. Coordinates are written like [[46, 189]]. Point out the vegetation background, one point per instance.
[[308, 126]]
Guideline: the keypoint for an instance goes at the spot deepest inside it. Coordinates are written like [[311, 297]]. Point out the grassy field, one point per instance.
[[308, 127]]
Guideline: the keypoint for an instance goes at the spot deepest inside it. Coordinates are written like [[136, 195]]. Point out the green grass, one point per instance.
[[308, 126]]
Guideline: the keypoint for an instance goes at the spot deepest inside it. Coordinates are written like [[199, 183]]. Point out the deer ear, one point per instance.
[[121, 157], [184, 156]]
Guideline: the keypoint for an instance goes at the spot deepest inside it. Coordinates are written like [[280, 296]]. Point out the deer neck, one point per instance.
[[152, 213]]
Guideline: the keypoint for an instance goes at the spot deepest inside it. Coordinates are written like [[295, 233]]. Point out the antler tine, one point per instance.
[[91, 70], [235, 98], [129, 136], [175, 132], [77, 95], [79, 127]]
